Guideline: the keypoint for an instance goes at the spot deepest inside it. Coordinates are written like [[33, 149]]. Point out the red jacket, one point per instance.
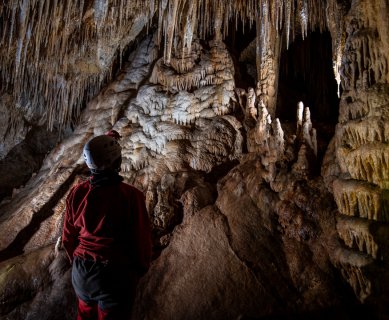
[[108, 223]]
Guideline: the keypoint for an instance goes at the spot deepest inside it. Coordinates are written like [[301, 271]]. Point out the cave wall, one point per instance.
[[244, 225], [361, 149]]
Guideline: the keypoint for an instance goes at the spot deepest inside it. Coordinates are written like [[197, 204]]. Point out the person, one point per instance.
[[106, 234]]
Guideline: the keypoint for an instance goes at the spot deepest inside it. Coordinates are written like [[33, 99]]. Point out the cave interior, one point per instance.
[[257, 130]]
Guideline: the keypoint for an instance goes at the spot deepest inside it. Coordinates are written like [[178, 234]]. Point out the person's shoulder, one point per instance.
[[131, 189], [80, 186]]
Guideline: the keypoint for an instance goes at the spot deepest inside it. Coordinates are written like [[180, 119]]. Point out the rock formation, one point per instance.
[[361, 140], [249, 219]]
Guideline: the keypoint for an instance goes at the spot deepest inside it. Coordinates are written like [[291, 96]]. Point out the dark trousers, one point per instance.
[[104, 290]]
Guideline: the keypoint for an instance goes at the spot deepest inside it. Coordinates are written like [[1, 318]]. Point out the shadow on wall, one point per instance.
[[25, 159]]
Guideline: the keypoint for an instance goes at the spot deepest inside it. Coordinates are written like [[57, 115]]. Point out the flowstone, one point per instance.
[[361, 148], [162, 135]]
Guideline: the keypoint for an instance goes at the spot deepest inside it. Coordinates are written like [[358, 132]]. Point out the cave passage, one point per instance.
[[241, 38], [306, 75]]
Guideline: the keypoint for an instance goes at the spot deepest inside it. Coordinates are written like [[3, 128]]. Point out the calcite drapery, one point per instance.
[[361, 138], [166, 134], [160, 133]]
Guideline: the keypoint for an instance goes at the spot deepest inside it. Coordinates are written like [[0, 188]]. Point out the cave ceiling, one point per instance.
[[60, 54]]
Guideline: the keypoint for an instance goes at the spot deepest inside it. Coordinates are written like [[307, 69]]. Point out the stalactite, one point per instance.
[[190, 26], [355, 276], [302, 8], [35, 31], [100, 10], [336, 28], [360, 199], [23, 21], [287, 22], [275, 12], [170, 26]]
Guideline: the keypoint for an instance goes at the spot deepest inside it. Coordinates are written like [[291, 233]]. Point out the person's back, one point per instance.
[[106, 235]]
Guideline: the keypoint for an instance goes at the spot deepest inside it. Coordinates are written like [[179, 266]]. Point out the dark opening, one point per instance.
[[241, 39], [306, 75]]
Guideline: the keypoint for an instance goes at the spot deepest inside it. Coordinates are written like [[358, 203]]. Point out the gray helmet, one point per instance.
[[102, 153]]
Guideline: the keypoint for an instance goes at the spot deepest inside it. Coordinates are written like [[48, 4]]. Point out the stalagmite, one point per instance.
[[279, 138], [251, 109], [308, 134], [299, 117], [262, 126], [302, 166]]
